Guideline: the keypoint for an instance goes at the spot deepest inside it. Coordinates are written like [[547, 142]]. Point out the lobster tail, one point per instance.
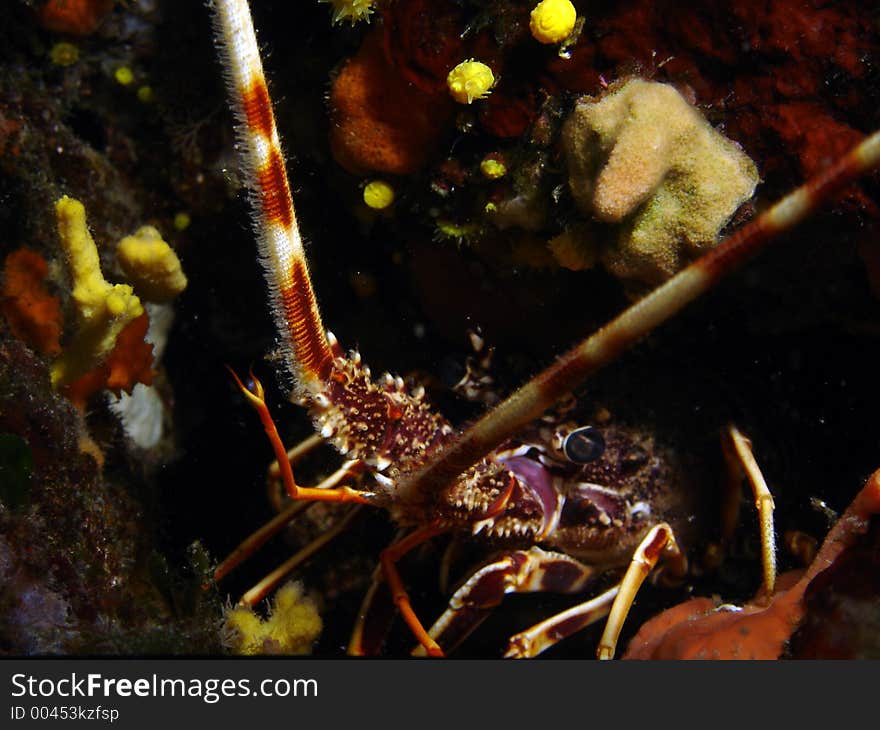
[[308, 353]]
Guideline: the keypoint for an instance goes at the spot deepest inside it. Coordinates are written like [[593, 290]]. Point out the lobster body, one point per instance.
[[528, 491]]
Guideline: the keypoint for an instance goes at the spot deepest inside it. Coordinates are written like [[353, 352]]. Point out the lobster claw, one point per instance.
[[253, 389]]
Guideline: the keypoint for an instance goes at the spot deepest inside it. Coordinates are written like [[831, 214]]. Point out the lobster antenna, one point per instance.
[[307, 351], [631, 325]]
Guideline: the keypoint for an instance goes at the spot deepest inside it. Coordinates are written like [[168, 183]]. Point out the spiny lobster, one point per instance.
[[433, 480]]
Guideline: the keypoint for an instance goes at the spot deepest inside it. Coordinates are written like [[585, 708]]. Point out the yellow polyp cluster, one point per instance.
[[103, 309], [292, 627], [552, 21], [151, 265], [145, 94], [470, 80], [459, 232], [64, 54], [182, 220], [123, 75], [378, 194], [351, 10], [492, 168]]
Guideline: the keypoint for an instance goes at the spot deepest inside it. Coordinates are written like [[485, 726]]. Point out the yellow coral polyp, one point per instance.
[[460, 232], [182, 220], [123, 75], [492, 168], [292, 627], [552, 21], [151, 265], [103, 309], [470, 80], [378, 194], [351, 10], [64, 54]]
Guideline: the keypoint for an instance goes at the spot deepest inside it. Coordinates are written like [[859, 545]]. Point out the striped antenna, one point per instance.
[[304, 343], [629, 327]]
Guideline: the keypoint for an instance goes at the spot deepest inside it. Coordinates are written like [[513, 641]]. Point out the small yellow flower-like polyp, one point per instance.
[[470, 80], [378, 194], [552, 21]]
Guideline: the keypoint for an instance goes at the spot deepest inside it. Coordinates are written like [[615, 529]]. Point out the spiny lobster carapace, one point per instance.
[[433, 480]]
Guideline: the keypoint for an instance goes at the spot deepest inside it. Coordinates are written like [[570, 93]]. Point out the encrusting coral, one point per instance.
[[129, 362], [103, 309], [33, 314], [292, 627], [381, 121], [75, 17], [641, 156]]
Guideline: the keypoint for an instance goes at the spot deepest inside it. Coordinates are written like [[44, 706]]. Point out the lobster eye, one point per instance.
[[584, 445]]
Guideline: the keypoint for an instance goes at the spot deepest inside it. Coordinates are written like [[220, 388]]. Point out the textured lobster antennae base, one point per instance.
[[629, 327], [307, 351]]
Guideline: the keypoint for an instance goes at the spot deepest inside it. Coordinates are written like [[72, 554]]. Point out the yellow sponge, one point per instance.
[[151, 265], [103, 309], [292, 627]]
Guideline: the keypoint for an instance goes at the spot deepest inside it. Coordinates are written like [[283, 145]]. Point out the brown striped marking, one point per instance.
[[565, 628], [653, 549], [580, 362], [258, 108], [301, 312], [274, 191]]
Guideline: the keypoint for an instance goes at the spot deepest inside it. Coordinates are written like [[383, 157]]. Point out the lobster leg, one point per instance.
[[301, 495], [520, 571], [374, 619], [740, 459], [274, 482], [258, 538], [255, 395], [658, 541], [738, 454], [271, 581], [388, 559], [542, 636]]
